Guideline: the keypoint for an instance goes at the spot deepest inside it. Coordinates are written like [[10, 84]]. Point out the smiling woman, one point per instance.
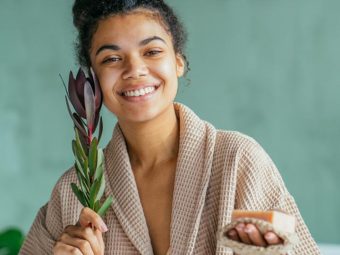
[[175, 178], [130, 54]]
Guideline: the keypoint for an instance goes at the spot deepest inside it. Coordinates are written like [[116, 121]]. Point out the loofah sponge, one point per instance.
[[282, 224]]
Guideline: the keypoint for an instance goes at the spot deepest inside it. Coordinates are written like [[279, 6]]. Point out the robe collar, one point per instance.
[[196, 148]]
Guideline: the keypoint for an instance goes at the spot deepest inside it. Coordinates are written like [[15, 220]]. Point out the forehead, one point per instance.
[[131, 27]]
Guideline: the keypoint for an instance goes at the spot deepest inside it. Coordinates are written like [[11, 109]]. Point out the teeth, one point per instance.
[[139, 92]]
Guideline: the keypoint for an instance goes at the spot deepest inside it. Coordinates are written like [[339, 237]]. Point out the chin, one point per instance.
[[137, 116], [145, 115]]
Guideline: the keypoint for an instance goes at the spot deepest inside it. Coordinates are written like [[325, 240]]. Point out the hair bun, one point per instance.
[[129, 3], [80, 10]]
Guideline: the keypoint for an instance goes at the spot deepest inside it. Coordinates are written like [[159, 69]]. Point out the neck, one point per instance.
[[152, 142]]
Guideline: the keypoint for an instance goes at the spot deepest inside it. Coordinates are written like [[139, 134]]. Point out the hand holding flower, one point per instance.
[[83, 238]]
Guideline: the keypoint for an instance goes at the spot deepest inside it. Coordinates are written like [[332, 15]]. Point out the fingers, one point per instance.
[[232, 234], [243, 235], [254, 235], [100, 239], [79, 244], [84, 238], [89, 217], [90, 239], [61, 249], [272, 238], [249, 234]]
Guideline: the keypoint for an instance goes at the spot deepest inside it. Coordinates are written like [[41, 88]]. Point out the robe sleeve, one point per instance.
[[260, 187], [38, 240], [48, 223]]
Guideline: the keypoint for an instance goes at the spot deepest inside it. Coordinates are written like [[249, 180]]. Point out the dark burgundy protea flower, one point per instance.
[[85, 96]]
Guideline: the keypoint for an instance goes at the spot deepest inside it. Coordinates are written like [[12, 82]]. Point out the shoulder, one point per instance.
[[63, 183], [241, 153], [237, 142], [63, 207]]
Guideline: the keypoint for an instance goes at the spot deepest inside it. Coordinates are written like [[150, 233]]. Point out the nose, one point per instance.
[[135, 67]]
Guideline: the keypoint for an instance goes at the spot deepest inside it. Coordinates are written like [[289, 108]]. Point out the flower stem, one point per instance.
[[90, 135]]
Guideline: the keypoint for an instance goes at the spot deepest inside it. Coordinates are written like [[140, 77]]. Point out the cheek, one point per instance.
[[108, 80], [166, 69]]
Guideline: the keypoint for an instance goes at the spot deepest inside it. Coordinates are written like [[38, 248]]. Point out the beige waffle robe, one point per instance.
[[216, 172]]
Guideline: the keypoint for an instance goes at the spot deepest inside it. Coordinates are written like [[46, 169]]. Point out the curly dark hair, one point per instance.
[[87, 13]]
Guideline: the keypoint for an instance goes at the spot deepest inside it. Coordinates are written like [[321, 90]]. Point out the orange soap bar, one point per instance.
[[281, 221]]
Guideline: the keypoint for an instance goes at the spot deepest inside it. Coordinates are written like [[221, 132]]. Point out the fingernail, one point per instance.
[[269, 236], [248, 229], [240, 227], [103, 227]]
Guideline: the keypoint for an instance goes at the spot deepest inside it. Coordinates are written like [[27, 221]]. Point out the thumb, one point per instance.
[[89, 218]]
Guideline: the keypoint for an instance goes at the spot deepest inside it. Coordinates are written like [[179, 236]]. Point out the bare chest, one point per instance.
[[156, 192]]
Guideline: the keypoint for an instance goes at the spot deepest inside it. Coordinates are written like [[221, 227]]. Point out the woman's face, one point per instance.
[[134, 60]]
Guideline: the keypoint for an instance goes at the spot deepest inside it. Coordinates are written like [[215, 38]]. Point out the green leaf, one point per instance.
[[93, 156], [96, 206], [87, 168], [79, 146], [84, 182], [79, 159], [94, 191], [83, 173], [100, 164], [82, 163], [79, 165], [105, 206], [101, 188], [83, 138], [79, 194]]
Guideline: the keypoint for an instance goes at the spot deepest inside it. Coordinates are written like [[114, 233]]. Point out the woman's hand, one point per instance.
[[249, 234], [84, 238]]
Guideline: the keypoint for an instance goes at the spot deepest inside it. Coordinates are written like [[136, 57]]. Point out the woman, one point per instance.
[[175, 178]]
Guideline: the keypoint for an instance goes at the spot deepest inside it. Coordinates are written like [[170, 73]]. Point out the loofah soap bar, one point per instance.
[[279, 220]]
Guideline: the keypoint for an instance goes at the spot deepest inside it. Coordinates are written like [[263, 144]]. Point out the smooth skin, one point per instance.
[[129, 52]]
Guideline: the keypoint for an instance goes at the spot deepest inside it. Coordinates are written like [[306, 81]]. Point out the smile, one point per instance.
[[140, 92]]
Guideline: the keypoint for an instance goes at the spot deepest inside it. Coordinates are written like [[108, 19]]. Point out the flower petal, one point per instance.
[[80, 81], [82, 132], [73, 118], [74, 98], [100, 129], [89, 105], [96, 120], [97, 90]]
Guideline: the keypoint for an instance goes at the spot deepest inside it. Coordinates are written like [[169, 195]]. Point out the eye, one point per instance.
[[153, 52], [112, 59]]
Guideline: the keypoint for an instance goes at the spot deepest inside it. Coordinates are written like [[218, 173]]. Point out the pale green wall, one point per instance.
[[268, 68]]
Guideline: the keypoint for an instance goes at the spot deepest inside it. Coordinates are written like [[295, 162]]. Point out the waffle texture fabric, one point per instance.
[[217, 172]]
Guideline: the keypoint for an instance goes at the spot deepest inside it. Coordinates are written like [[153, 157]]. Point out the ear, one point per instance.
[[180, 65]]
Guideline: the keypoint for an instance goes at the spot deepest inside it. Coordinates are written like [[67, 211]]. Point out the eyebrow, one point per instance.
[[141, 43]]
